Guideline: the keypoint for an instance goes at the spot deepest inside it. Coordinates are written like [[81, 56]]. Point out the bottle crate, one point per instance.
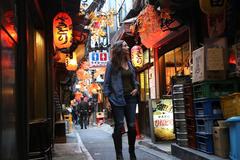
[[208, 108], [214, 89], [180, 125], [205, 143], [189, 110], [205, 125], [187, 89], [192, 142], [179, 115]]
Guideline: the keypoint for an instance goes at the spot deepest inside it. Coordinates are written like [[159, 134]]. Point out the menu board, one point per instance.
[[163, 119]]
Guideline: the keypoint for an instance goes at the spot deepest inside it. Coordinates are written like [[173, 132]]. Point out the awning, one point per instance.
[[151, 30]]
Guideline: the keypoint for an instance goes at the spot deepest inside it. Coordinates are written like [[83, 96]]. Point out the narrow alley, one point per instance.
[[119, 79]]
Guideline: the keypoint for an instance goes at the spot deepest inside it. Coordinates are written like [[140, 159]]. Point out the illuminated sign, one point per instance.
[[62, 30], [163, 119], [98, 58]]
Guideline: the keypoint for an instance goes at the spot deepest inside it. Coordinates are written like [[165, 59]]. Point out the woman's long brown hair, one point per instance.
[[117, 56]]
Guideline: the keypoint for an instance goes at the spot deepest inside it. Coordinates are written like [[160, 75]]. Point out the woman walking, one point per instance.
[[120, 90]]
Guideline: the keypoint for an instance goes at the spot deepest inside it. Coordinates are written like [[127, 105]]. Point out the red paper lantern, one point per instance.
[[137, 56], [62, 30], [78, 96]]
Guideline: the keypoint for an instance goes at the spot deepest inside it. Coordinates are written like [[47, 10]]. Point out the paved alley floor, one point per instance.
[[95, 143]]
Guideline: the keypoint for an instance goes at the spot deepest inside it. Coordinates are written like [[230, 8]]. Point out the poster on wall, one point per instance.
[[152, 83], [163, 119], [198, 65]]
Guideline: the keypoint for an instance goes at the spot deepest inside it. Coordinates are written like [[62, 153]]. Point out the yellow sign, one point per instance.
[[163, 119]]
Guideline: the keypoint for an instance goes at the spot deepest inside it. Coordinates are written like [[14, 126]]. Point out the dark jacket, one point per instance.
[[113, 87], [83, 108]]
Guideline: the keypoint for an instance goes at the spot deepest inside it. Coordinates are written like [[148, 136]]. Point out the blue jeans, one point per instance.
[[129, 111]]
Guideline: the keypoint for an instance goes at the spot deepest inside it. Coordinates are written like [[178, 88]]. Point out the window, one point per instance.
[[176, 63]]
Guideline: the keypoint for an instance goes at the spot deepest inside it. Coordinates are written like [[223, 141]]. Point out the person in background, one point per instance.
[[73, 105], [83, 112], [90, 113], [120, 89]]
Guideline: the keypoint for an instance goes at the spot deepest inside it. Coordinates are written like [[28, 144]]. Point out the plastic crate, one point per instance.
[[182, 142], [191, 130], [177, 109], [178, 95], [204, 125], [189, 110], [205, 143], [187, 89], [178, 88], [178, 102], [179, 115], [231, 105], [181, 135], [214, 89], [208, 108], [192, 142], [191, 122], [180, 125]]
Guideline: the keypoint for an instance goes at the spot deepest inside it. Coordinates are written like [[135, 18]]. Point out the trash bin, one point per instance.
[[234, 128]]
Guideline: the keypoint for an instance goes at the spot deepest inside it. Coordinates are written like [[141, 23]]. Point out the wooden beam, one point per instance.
[[39, 11]]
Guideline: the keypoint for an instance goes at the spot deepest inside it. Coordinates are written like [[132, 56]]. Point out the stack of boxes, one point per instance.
[[180, 123], [209, 74], [190, 115], [179, 115]]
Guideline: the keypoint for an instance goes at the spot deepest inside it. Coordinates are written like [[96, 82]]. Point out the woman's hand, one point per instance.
[[108, 105], [134, 92]]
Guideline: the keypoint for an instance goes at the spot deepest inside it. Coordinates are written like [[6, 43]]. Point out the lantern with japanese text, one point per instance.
[[212, 7], [62, 30], [137, 56]]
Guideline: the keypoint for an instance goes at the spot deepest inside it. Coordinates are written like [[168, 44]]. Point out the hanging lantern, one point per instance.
[[93, 88], [62, 30], [212, 7], [82, 74], [137, 56], [78, 96], [71, 64]]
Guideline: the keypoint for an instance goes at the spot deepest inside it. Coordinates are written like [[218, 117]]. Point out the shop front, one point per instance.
[[169, 55], [197, 67]]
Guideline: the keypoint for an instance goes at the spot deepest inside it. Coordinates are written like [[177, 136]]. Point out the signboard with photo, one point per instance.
[[163, 119]]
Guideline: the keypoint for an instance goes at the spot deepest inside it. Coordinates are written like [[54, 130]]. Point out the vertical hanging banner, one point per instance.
[[98, 58], [62, 30]]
